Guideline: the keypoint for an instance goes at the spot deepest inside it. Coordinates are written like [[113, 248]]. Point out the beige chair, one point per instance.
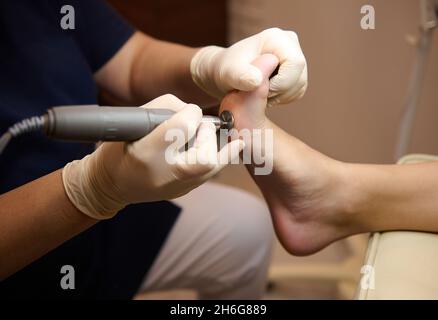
[[401, 265]]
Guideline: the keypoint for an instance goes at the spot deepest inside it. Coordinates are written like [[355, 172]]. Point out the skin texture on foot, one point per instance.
[[315, 200], [303, 191]]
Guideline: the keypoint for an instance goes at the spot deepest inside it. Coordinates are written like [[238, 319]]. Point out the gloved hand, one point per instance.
[[218, 70], [150, 169]]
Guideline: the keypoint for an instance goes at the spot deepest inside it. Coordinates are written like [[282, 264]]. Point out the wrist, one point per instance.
[[88, 185], [202, 71]]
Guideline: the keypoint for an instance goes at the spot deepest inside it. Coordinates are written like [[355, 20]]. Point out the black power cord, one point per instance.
[[24, 126]]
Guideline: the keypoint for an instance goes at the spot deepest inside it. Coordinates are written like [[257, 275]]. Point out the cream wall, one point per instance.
[[358, 79]]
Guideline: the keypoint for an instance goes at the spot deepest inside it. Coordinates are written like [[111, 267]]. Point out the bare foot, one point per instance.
[[249, 108], [309, 207]]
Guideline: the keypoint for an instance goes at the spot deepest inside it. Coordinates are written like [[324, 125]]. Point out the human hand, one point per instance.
[[218, 70], [150, 169]]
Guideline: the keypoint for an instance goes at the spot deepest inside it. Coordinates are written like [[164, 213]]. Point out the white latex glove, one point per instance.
[[218, 70], [120, 173]]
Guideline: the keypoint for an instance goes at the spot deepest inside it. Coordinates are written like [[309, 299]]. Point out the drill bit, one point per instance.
[[224, 121]]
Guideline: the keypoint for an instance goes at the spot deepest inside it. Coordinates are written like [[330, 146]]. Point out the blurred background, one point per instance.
[[358, 83]]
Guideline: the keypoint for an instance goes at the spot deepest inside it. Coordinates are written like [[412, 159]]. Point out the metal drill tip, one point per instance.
[[213, 119], [224, 121], [227, 120]]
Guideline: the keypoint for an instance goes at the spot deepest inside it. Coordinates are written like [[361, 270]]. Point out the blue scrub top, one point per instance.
[[42, 65]]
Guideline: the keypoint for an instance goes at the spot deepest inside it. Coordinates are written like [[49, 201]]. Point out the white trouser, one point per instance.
[[220, 246]]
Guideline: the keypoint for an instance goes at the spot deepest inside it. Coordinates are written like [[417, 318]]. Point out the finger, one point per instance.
[[167, 101], [290, 95], [289, 75], [191, 166], [284, 99], [206, 133], [228, 154], [292, 62], [182, 126], [202, 157], [206, 144], [287, 97], [241, 76]]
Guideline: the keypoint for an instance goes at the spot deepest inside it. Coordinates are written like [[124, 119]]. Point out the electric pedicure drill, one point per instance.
[[92, 123]]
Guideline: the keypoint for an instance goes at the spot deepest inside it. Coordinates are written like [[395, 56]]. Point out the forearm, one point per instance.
[[162, 67], [35, 219], [145, 68]]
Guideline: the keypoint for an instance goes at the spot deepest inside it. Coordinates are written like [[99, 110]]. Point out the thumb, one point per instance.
[[244, 77]]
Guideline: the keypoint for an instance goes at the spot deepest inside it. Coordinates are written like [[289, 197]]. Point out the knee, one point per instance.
[[248, 232], [251, 228], [235, 241], [246, 246]]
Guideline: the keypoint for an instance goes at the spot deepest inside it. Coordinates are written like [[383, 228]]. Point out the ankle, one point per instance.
[[353, 198]]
